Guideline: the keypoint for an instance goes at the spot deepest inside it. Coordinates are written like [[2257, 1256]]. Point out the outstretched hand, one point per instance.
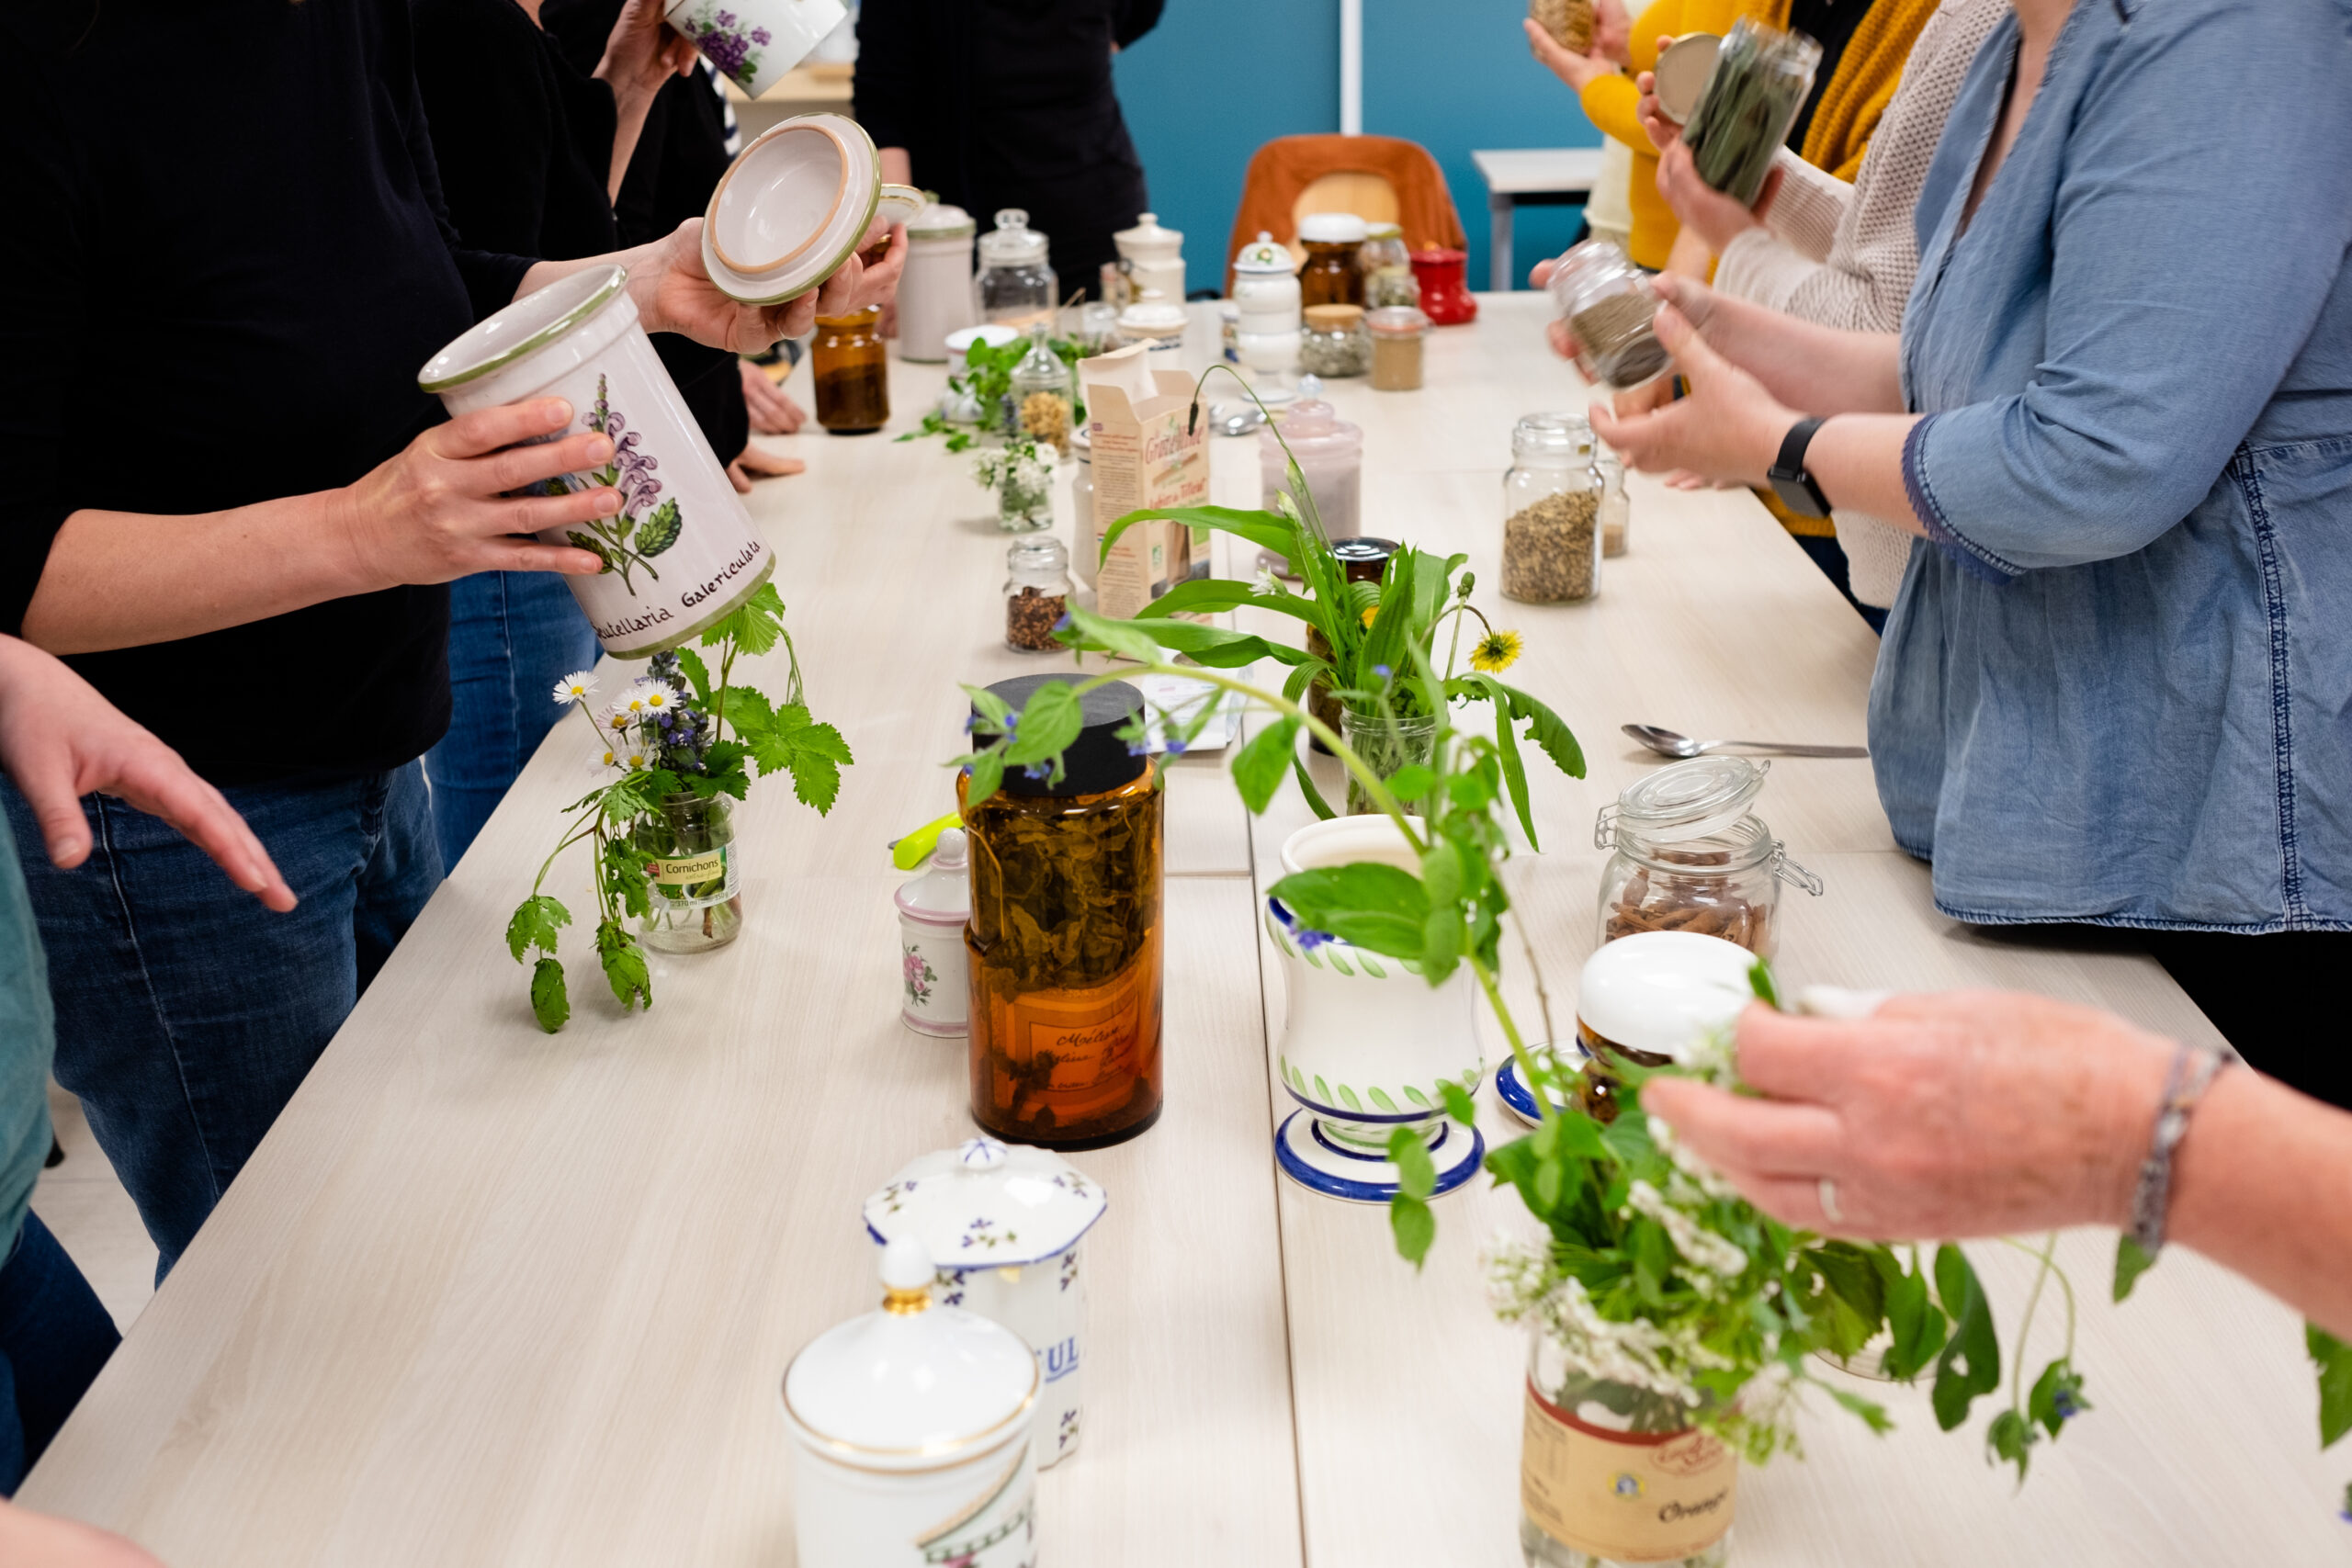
[[1700, 208], [61, 740], [1727, 428], [676, 293]]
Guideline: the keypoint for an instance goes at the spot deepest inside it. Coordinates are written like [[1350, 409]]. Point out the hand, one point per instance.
[[1728, 427], [441, 510], [751, 463], [1555, 331], [1663, 132], [36, 1541], [1576, 70], [1613, 30], [641, 53], [1937, 1116], [675, 294], [1708, 212], [772, 413], [61, 740]]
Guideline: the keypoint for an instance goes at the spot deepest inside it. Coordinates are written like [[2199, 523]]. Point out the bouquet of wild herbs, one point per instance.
[[986, 380], [678, 735]]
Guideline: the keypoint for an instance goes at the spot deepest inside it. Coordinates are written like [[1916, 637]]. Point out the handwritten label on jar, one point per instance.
[[1641, 1497], [1089, 1046]]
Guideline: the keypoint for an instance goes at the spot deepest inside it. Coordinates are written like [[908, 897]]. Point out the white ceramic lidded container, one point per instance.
[[1367, 1042], [753, 42], [1649, 997], [936, 294], [800, 199], [933, 909], [682, 553], [1002, 1222], [911, 1430], [1265, 289], [1154, 257]]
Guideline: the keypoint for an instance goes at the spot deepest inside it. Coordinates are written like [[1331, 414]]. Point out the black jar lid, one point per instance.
[[1365, 560], [1099, 759]]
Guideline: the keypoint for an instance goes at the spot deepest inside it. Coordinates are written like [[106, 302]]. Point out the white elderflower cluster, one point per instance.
[[1700, 1247], [1523, 1288]]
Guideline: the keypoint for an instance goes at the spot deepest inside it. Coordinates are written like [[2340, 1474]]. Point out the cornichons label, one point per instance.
[[1637, 1496], [694, 880]]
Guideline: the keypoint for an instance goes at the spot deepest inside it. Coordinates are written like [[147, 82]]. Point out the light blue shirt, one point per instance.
[[2116, 685], [27, 1042]]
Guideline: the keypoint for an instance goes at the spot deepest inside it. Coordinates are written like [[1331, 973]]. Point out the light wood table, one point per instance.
[[488, 1296]]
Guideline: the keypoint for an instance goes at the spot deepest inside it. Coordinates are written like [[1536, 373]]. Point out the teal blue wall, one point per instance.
[[1218, 78]]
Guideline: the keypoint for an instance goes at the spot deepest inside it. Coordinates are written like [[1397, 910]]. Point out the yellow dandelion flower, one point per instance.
[[1496, 651], [1370, 611]]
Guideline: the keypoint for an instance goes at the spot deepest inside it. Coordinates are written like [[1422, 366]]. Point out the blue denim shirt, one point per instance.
[[2116, 686]]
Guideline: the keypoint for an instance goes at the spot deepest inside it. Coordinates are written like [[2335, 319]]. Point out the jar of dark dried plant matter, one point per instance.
[[1036, 593], [1691, 855], [1065, 944]]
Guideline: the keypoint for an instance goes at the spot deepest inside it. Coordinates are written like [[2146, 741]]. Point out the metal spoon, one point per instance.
[[1667, 743]]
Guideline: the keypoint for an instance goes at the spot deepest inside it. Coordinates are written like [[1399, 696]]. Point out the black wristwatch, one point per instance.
[[1790, 480]]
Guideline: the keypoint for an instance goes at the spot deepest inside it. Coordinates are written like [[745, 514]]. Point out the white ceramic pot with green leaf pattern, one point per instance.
[[1367, 1043]]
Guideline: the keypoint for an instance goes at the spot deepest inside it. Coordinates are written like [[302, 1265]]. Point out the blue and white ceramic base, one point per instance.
[[1322, 1164], [1518, 1096]]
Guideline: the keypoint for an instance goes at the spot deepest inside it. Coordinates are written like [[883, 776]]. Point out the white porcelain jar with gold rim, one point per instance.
[[911, 1434]]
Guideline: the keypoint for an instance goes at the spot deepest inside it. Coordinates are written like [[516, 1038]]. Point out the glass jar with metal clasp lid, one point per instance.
[[1016, 282], [1690, 855]]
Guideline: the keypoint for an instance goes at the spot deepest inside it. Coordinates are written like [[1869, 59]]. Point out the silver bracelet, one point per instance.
[[2186, 1081]]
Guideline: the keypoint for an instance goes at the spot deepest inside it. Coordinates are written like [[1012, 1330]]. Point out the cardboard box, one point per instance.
[[1144, 457]]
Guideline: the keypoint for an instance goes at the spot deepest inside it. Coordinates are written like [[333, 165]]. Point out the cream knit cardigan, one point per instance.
[[1844, 256]]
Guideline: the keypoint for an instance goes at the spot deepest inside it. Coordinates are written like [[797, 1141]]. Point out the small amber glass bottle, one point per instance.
[[853, 372], [1064, 940]]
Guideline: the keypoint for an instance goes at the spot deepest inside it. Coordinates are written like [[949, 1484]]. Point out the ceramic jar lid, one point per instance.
[[941, 220], [1147, 240], [1314, 428], [1661, 992], [942, 896], [542, 317], [1263, 254], [913, 1383], [1012, 243], [1688, 800], [1159, 318], [1331, 229], [986, 1205], [792, 207]]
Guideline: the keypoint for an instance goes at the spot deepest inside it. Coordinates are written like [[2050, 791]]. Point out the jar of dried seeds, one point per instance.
[[1036, 592], [1608, 304], [1335, 343], [1552, 511]]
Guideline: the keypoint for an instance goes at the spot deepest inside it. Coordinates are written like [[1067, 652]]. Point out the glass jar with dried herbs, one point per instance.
[[1065, 943], [1690, 854], [1551, 512], [1745, 107], [1608, 304], [1036, 592], [851, 369], [1388, 268], [1335, 343]]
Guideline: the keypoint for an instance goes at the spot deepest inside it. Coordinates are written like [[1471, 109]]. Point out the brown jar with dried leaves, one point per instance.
[[1691, 856], [1065, 946]]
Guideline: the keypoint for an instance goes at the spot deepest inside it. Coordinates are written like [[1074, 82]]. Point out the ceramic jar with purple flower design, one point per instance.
[[753, 42], [1002, 1222], [682, 553]]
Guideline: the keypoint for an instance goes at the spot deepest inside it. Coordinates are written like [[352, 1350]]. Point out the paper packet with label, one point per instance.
[[1144, 457]]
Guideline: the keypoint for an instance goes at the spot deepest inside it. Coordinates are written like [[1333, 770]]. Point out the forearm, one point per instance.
[[125, 579], [2251, 1181], [898, 168], [1857, 459], [1817, 369]]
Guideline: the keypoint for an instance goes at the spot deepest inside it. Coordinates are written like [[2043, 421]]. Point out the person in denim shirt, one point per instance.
[[2114, 684]]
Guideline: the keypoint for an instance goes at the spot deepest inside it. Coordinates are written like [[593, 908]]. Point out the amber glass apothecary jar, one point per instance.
[[1333, 273], [1066, 944], [851, 370]]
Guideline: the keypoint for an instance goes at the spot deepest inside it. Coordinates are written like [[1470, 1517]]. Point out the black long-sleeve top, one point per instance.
[[1010, 102], [218, 299]]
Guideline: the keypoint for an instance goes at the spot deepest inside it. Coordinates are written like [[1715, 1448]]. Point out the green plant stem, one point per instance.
[[1544, 1111], [1454, 646], [2065, 1287], [2025, 1324]]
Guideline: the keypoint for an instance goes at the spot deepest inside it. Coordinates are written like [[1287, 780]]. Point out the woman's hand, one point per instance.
[[1704, 210], [61, 740], [772, 413], [675, 294], [36, 1541], [1613, 30], [1663, 132], [1728, 427], [1576, 70], [1937, 1116], [641, 53], [443, 509], [751, 463]]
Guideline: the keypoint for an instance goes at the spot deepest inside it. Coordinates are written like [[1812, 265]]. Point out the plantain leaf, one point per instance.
[[1259, 766]]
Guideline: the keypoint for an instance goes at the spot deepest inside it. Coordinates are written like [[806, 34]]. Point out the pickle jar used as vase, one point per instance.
[[1386, 742], [1004, 1225], [1065, 946], [912, 1432], [1367, 1044], [1616, 1476], [688, 852]]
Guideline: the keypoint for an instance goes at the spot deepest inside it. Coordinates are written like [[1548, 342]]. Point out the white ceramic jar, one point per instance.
[[1154, 258], [1367, 1042], [682, 553], [753, 42], [912, 1430], [936, 294], [1002, 1223], [932, 907], [1265, 285]]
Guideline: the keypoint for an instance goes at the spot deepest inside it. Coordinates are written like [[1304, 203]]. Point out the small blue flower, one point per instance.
[[2065, 1402], [1175, 745], [1383, 670], [1308, 941], [1062, 625], [1138, 747], [970, 719], [1037, 769]]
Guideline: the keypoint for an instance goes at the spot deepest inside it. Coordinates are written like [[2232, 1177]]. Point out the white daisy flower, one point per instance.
[[656, 695], [633, 758], [618, 718], [575, 687], [633, 702]]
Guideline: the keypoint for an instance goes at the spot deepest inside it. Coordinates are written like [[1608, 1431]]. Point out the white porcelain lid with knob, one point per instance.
[[913, 1383], [1147, 240], [942, 896], [986, 1205], [1264, 254], [1331, 229], [1662, 992]]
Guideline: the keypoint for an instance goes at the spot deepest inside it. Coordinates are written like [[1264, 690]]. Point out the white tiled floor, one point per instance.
[[93, 1217]]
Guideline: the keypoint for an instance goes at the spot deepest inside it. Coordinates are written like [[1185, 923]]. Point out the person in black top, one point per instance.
[[1009, 103], [250, 558]]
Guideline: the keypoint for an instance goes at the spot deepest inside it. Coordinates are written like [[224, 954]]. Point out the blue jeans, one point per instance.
[[513, 635], [53, 1339], [186, 1014]]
